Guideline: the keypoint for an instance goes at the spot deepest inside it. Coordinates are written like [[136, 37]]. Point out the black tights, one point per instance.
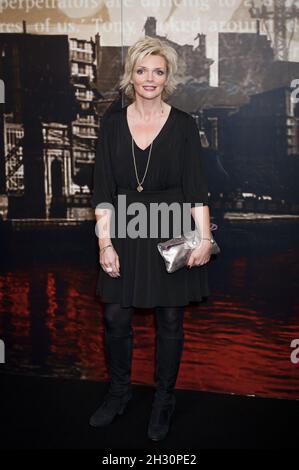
[[118, 320]]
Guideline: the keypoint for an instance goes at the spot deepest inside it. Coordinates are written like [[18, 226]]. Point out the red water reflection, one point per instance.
[[238, 342]]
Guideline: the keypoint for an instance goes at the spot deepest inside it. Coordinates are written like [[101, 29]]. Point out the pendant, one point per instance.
[[139, 188]]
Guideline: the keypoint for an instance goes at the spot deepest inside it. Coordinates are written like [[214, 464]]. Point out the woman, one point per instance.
[[148, 153]]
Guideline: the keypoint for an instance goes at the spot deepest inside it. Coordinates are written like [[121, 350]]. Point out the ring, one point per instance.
[[109, 270]]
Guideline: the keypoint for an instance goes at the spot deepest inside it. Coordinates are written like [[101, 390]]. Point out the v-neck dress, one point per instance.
[[175, 174]]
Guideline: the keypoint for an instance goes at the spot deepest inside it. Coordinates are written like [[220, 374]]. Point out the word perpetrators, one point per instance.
[[27, 5]]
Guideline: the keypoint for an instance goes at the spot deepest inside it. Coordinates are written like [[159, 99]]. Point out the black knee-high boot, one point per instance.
[[168, 358], [119, 355]]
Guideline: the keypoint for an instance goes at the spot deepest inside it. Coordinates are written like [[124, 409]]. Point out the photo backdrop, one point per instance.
[[60, 65]]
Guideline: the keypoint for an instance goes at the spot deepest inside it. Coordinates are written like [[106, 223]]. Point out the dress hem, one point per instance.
[[201, 299]]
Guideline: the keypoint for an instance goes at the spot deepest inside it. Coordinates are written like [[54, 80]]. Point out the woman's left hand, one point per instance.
[[200, 255]]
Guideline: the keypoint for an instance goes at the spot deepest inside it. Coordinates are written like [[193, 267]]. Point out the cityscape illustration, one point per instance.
[[54, 101]]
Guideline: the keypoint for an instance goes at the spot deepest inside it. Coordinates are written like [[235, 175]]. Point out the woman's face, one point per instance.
[[149, 71]]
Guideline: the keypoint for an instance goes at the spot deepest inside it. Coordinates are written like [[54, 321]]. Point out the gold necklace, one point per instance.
[[140, 187]]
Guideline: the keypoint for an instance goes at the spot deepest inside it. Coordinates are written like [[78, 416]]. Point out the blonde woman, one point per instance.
[[148, 152]]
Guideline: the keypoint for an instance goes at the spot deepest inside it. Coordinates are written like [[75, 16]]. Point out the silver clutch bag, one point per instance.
[[176, 251]]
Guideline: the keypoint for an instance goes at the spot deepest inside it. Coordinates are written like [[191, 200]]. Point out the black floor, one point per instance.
[[47, 413]]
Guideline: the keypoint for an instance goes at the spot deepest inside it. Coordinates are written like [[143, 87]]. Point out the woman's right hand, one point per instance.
[[109, 259]]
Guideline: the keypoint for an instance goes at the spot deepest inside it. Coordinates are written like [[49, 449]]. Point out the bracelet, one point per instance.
[[101, 249]]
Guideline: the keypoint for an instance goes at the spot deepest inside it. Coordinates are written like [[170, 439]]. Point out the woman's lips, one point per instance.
[[149, 88]]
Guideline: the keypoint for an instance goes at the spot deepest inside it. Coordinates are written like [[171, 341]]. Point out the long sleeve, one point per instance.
[[103, 181], [194, 180]]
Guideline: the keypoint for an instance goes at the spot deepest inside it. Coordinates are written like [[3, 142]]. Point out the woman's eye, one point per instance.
[[160, 72]]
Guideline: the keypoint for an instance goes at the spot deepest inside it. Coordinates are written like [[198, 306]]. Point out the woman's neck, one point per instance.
[[148, 110]]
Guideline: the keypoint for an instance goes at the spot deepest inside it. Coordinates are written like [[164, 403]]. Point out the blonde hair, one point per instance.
[[142, 48]]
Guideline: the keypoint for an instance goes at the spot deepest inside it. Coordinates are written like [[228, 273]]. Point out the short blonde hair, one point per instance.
[[142, 48]]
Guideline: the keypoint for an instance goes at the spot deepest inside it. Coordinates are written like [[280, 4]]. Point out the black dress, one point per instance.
[[175, 174]]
